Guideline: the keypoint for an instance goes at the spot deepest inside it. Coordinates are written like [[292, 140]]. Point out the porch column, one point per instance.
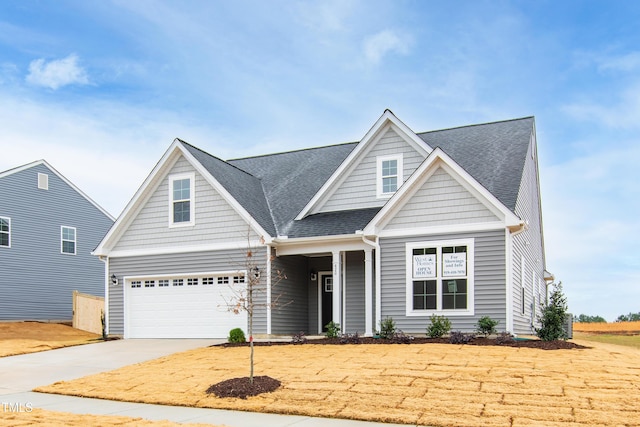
[[337, 289], [368, 292]]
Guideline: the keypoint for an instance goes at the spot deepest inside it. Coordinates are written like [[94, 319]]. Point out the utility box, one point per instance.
[[568, 325]]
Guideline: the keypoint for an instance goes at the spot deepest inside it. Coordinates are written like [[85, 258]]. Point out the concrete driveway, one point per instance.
[[25, 372]]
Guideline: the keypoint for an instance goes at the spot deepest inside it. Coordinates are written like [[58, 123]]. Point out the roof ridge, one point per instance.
[[298, 150], [476, 124], [218, 158]]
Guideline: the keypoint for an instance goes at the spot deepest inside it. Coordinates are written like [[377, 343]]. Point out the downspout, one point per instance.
[[369, 295], [268, 289], [510, 233], [107, 281]]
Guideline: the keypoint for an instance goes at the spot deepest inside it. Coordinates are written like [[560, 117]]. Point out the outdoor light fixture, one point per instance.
[[114, 279], [314, 276], [256, 272]]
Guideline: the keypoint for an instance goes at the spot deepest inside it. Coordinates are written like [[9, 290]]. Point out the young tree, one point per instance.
[[553, 316], [247, 298]]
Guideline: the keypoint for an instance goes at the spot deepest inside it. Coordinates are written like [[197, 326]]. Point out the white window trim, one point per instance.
[[192, 199], [398, 158], [7, 232], [470, 244], [62, 240]]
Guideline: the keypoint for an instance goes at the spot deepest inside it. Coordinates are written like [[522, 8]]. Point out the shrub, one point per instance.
[[487, 326], [400, 337], [333, 329], [504, 338], [553, 316], [439, 326], [299, 338], [460, 337], [387, 328], [237, 336]]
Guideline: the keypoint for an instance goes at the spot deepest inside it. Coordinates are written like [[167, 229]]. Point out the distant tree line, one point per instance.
[[631, 317], [585, 318]]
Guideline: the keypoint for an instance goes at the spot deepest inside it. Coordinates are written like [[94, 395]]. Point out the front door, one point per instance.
[[326, 292]]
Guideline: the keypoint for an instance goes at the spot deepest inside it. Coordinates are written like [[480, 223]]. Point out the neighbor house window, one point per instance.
[[68, 240], [389, 175], [181, 199], [5, 232], [440, 277]]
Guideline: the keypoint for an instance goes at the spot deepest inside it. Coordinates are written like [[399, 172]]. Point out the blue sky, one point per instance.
[[100, 89]]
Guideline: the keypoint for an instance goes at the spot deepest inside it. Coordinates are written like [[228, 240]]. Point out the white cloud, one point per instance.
[[57, 73], [628, 62], [621, 114], [383, 43]]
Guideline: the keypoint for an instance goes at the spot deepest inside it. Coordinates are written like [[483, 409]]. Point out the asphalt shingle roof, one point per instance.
[[274, 188]]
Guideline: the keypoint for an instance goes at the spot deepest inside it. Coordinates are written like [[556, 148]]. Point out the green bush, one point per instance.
[[333, 329], [553, 316], [439, 326], [387, 328], [486, 326], [237, 336]]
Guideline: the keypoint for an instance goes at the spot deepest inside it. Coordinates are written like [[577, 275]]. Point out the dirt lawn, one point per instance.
[[424, 384], [31, 337]]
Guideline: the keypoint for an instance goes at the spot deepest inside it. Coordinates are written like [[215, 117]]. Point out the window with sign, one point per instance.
[[440, 277]]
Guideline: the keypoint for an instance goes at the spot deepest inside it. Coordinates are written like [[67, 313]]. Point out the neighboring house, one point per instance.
[[399, 225], [48, 228]]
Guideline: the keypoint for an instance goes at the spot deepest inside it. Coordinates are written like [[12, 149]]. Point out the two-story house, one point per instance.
[[399, 224], [48, 229]]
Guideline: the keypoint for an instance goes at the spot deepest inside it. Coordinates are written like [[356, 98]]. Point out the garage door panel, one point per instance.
[[196, 311]]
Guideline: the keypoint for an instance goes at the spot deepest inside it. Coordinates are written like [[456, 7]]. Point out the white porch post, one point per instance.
[[337, 288], [368, 292]]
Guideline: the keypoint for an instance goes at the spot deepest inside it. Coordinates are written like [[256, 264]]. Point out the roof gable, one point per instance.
[[387, 121], [438, 159], [59, 175]]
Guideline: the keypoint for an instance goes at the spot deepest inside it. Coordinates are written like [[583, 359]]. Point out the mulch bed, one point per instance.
[[533, 343], [242, 387]]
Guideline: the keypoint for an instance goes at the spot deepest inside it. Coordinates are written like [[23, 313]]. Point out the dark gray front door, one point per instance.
[[327, 300]]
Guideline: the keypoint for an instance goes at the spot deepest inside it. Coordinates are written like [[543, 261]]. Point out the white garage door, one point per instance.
[[182, 306]]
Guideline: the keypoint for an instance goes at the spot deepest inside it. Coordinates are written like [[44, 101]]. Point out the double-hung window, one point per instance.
[[181, 200], [68, 240], [440, 277], [5, 232], [389, 176]]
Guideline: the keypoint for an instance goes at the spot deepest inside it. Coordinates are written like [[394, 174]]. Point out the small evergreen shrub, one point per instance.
[[460, 338], [486, 326], [553, 316], [299, 338], [333, 329], [237, 336], [387, 328], [439, 326]]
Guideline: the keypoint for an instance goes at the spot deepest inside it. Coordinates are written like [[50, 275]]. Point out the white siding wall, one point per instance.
[[441, 201], [529, 245], [215, 220], [358, 190]]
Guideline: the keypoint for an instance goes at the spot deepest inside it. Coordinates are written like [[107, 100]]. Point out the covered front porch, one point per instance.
[[319, 282]]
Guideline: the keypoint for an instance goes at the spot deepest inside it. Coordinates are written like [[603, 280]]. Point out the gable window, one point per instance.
[[440, 277], [68, 240], [389, 175], [5, 232], [181, 200], [43, 181]]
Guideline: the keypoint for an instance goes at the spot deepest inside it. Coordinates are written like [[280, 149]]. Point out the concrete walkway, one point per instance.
[[20, 374]]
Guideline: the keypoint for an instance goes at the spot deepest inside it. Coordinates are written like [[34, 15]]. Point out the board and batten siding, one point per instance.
[[182, 264], [528, 245], [289, 294], [489, 281], [441, 201], [37, 280], [215, 220], [358, 189]]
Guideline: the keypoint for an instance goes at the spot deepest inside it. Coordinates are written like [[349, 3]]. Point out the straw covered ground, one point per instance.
[[627, 328], [40, 417], [31, 337], [424, 384]]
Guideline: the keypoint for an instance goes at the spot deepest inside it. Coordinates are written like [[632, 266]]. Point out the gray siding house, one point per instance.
[[48, 229], [399, 224]]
